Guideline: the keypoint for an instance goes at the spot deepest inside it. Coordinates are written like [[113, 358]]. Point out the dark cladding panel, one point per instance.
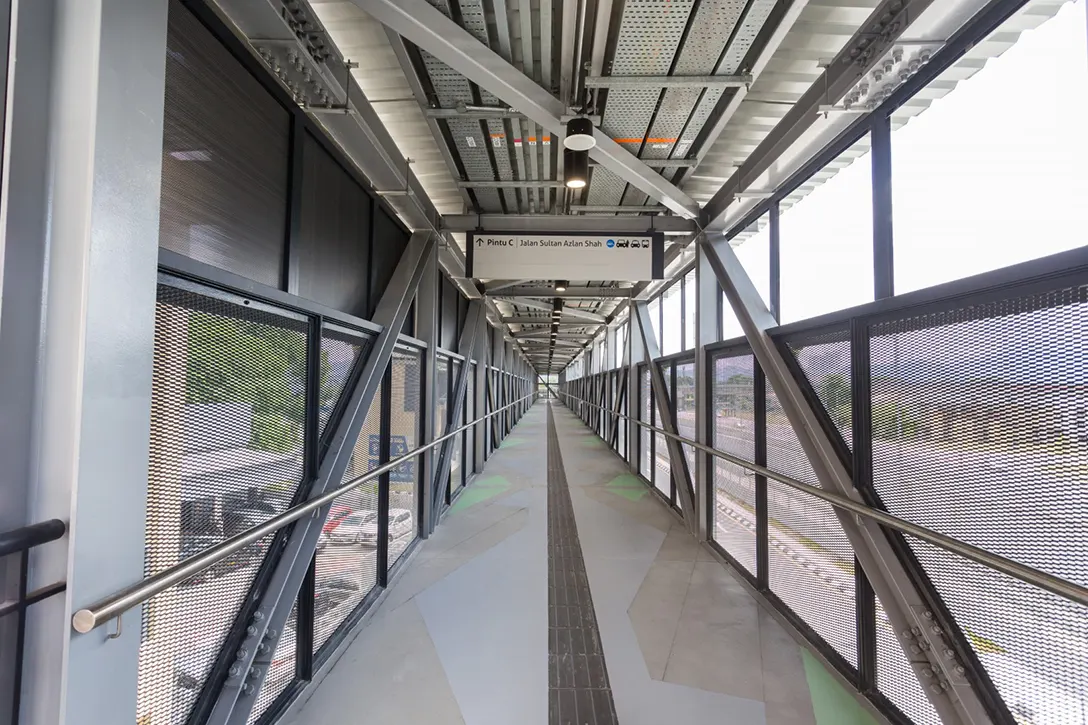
[[225, 153], [334, 234]]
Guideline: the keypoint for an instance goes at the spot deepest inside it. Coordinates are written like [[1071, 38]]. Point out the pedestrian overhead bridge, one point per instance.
[[556, 361]]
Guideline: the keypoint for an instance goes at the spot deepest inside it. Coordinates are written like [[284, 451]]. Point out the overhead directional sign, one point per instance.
[[620, 257]]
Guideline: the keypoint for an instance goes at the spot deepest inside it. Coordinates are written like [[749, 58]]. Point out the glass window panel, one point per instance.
[[826, 239], [981, 183], [689, 310], [670, 340]]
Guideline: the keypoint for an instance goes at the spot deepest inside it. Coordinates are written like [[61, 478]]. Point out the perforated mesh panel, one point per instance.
[[282, 669], [825, 360], [733, 431], [224, 162], [811, 560], [225, 455], [341, 349], [980, 431], [685, 408], [662, 467], [347, 565], [404, 424]]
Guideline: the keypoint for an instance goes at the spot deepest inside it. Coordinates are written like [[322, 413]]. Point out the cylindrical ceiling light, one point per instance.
[[575, 168], [579, 134], [560, 286]]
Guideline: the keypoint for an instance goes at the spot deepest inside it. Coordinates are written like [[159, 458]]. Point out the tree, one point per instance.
[[238, 361]]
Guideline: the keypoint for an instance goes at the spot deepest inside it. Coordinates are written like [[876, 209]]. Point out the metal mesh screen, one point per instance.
[[733, 431], [340, 350], [825, 360], [685, 408], [225, 455], [625, 407], [662, 468], [895, 677], [811, 560], [281, 672], [404, 426], [347, 567], [980, 431], [645, 466], [224, 157]]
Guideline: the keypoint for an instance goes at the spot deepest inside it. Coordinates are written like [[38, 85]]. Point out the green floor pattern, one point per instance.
[[480, 490], [832, 704], [628, 486]]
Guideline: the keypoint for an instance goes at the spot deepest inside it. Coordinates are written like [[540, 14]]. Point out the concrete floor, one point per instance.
[[461, 636]]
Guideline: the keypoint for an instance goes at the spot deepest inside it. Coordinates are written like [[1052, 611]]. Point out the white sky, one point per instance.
[[993, 174]]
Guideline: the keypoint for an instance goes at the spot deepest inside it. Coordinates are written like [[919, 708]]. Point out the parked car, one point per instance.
[[350, 529], [337, 514], [400, 524]]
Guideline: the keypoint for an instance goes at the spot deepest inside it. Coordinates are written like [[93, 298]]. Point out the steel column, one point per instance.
[[467, 345], [428, 302], [880, 136], [905, 605], [706, 332], [678, 465], [237, 697], [617, 407]]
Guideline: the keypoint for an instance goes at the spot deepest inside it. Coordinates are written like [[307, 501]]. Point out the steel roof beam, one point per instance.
[[570, 292], [428, 28], [567, 311], [525, 320], [562, 224], [615, 209], [652, 82], [874, 38], [510, 184], [661, 163]]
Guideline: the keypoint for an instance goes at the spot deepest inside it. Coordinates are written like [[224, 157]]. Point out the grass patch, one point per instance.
[[984, 645]]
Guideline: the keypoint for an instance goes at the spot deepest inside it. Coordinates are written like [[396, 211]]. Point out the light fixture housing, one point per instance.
[[579, 135], [560, 285], [575, 168]]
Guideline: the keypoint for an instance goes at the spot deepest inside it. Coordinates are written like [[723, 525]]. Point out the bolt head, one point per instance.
[[242, 653], [234, 671]]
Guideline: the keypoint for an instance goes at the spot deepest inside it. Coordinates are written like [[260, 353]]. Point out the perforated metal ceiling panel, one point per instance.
[[649, 35], [711, 29]]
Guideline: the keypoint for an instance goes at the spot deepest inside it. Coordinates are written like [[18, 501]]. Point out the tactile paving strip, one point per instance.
[[579, 692]]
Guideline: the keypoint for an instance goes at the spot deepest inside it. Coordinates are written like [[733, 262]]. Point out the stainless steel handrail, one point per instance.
[[117, 604], [1055, 585]]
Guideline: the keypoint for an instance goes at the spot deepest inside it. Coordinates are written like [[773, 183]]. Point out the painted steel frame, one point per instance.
[[467, 345], [903, 602], [432, 31], [236, 697], [678, 465], [563, 224]]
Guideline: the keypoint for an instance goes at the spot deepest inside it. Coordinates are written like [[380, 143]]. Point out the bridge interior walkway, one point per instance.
[[511, 614]]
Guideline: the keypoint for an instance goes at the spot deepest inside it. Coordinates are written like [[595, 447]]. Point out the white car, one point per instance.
[[400, 524], [350, 528]]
